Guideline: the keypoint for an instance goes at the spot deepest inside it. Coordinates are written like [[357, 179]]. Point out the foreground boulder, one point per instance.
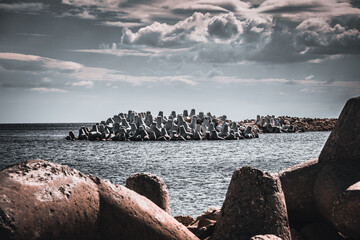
[[337, 186], [43, 200], [152, 187], [337, 195], [343, 144], [329, 189], [297, 184], [254, 204]]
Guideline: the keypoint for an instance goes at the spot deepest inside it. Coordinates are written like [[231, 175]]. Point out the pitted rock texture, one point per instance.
[[343, 144], [152, 187], [254, 204], [43, 200]]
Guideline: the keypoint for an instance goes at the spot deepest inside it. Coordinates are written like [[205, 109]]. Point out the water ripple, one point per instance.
[[197, 173]]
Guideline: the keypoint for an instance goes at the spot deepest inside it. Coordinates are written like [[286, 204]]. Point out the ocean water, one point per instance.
[[197, 173]]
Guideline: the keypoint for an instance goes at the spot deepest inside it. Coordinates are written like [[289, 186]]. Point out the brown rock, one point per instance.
[[152, 187], [44, 200], [204, 225], [265, 237], [337, 194], [320, 231], [254, 204], [343, 144], [185, 220], [124, 214], [297, 184]]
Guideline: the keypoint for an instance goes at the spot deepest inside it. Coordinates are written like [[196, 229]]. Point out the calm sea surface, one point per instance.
[[197, 173]]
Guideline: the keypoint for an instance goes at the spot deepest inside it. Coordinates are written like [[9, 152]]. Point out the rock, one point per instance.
[[295, 235], [43, 200], [265, 237], [152, 187], [337, 195], [343, 143], [337, 188], [320, 231], [185, 220], [72, 135], [124, 214], [204, 225], [297, 184], [254, 204]]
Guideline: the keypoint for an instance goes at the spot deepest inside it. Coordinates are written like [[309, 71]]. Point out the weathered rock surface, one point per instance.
[[265, 237], [152, 187], [254, 204], [124, 214], [337, 188], [337, 195], [343, 144], [185, 220], [204, 225], [297, 184], [43, 200]]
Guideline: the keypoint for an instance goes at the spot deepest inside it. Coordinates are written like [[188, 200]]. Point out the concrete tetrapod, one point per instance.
[[254, 205], [152, 187], [337, 187], [44, 200]]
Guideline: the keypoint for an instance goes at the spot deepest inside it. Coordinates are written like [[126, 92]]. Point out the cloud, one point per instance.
[[97, 3], [214, 73], [80, 75], [198, 28], [309, 77], [22, 6], [33, 34], [123, 24], [320, 37], [224, 26], [48, 90], [85, 15], [25, 62], [87, 84], [226, 37], [108, 75]]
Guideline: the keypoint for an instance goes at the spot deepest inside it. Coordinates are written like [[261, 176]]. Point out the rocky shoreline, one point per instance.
[[318, 199], [133, 126]]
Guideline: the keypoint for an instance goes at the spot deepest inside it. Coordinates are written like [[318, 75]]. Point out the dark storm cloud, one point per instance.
[[293, 9], [224, 26], [323, 38]]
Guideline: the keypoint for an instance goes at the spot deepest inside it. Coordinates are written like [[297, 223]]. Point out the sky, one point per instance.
[[87, 60]]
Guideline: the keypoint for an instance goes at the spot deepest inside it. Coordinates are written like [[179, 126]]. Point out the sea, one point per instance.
[[197, 173]]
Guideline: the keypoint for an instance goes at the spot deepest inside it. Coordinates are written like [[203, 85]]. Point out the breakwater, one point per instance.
[[133, 126]]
